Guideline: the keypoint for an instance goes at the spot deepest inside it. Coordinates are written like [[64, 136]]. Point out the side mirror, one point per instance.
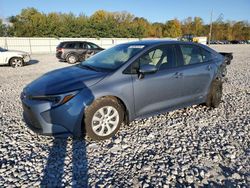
[[146, 69]]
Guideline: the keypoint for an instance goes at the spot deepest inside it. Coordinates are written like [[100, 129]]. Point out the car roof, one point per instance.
[[74, 41], [157, 41], [162, 41]]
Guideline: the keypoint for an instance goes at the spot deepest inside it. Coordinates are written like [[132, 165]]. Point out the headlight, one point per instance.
[[23, 55], [56, 100]]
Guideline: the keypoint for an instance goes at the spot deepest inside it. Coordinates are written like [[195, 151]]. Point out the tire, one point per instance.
[[98, 121], [215, 94], [16, 62], [72, 59]]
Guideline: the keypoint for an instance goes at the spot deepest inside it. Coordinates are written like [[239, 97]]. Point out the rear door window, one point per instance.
[[76, 45], [82, 45], [168, 59], [70, 45], [191, 54]]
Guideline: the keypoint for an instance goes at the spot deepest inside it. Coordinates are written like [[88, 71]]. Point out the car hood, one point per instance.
[[16, 52], [64, 80]]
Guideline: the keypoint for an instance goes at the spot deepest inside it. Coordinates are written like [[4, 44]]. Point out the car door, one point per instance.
[[78, 48], [196, 73], [158, 91], [1, 57], [89, 50]]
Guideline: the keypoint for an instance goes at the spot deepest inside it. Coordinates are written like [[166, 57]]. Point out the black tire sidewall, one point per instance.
[[215, 94], [90, 111]]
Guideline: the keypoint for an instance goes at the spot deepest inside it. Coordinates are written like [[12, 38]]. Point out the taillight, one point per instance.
[[59, 49]]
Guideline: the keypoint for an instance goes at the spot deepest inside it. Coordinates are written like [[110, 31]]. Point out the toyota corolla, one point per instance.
[[123, 83]]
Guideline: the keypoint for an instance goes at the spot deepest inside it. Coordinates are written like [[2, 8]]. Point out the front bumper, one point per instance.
[[61, 121], [34, 120], [26, 58]]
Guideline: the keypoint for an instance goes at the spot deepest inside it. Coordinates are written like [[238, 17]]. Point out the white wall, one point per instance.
[[48, 45]]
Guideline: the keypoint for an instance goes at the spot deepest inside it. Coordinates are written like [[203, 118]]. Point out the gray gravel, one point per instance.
[[196, 146]]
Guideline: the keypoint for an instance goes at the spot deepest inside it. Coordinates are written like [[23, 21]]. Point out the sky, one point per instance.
[[152, 10]]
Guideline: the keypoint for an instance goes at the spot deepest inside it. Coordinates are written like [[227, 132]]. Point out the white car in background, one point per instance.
[[13, 58]]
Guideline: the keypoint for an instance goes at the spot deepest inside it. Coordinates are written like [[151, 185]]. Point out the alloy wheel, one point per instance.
[[105, 121], [17, 63]]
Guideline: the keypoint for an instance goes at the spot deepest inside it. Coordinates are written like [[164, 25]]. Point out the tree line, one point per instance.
[[32, 23]]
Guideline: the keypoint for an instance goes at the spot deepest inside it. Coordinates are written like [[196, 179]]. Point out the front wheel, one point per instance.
[[103, 118], [88, 55], [16, 62], [215, 94]]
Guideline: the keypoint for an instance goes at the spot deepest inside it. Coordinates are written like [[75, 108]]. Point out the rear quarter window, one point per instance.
[[206, 55], [61, 45], [93, 46]]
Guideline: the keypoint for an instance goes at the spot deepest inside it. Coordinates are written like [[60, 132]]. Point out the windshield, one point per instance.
[[114, 57], [2, 49]]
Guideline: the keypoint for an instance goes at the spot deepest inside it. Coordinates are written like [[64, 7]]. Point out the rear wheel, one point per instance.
[[16, 62], [103, 118], [215, 94], [72, 59]]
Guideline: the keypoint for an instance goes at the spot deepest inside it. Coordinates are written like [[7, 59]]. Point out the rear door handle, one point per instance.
[[178, 75]]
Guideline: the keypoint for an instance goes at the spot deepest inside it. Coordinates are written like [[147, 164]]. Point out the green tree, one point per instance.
[[54, 25], [2, 28], [32, 23], [197, 26], [186, 26], [172, 29], [5, 29], [140, 27]]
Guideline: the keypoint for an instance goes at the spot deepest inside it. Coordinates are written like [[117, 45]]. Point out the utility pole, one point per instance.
[[211, 26]]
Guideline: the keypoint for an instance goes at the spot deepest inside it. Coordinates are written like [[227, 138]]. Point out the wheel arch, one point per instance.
[[72, 53], [13, 58], [121, 102], [80, 130]]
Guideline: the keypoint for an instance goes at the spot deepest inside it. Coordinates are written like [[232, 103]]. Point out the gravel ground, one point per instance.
[[196, 146]]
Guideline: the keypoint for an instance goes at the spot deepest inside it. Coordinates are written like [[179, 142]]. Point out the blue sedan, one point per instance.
[[126, 82]]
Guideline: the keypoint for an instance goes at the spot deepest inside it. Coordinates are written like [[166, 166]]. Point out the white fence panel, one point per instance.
[[48, 45]]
